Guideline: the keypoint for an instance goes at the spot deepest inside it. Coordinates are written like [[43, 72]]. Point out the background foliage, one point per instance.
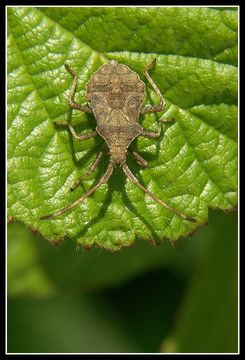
[[171, 299], [180, 298]]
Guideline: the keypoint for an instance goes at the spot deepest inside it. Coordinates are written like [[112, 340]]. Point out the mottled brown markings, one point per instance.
[[115, 96]]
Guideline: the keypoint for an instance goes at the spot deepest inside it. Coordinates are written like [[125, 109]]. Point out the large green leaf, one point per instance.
[[192, 166]]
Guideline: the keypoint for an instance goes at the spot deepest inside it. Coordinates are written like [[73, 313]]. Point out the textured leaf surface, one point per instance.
[[193, 165]]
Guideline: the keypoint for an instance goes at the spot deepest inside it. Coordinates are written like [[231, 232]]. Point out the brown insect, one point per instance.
[[115, 95]]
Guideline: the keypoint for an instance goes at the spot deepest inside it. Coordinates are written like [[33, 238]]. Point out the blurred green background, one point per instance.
[[166, 298]]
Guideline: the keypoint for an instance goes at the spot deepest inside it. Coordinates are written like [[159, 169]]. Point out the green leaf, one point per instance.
[[193, 165]]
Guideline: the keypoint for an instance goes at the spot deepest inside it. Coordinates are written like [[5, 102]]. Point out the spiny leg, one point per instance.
[[134, 179], [90, 170], [74, 134], [103, 180], [156, 108], [71, 101], [139, 159]]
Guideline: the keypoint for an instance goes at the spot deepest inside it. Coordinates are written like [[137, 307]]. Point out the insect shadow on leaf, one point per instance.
[[101, 213], [115, 96], [133, 209]]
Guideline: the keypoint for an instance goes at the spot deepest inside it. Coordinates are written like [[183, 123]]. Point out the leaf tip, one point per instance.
[[154, 242], [10, 219], [57, 242], [33, 230]]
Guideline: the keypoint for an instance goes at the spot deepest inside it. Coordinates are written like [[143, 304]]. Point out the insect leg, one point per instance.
[[139, 159], [156, 108], [134, 179], [102, 181], [91, 169], [155, 134], [150, 134], [74, 134], [71, 101]]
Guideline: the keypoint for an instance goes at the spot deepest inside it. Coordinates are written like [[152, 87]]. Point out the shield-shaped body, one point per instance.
[[115, 93]]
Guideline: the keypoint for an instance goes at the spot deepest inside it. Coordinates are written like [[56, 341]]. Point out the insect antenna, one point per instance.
[[102, 181], [134, 179]]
